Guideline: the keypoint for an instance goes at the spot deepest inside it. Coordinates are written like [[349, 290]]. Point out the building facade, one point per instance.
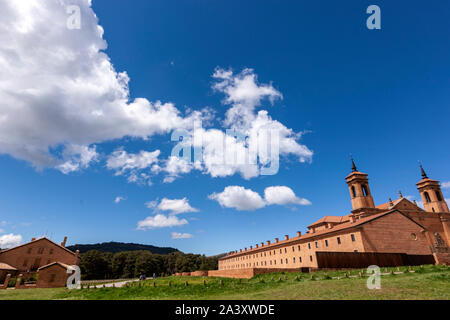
[[395, 227], [28, 259]]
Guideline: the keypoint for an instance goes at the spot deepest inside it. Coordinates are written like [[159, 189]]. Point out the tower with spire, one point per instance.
[[430, 191], [361, 197]]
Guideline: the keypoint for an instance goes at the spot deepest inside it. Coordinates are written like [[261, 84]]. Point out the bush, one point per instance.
[[12, 283]]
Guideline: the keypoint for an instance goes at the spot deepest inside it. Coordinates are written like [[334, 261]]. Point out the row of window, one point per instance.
[[36, 264], [271, 263], [40, 250], [264, 254]]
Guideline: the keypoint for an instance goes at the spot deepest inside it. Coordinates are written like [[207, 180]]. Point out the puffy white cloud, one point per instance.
[[58, 88], [161, 221], [244, 94], [248, 200], [175, 206], [176, 235], [124, 163], [119, 199], [446, 185], [10, 240], [282, 195], [175, 166], [77, 157], [239, 198]]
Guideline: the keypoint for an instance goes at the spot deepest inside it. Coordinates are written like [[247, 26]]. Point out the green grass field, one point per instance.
[[430, 282]]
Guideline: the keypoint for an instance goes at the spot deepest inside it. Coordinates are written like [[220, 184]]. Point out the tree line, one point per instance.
[[96, 265]]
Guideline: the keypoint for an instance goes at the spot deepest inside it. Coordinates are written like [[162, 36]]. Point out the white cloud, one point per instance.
[[10, 240], [119, 199], [77, 157], [282, 195], [176, 235], [239, 198], [243, 199], [174, 167], [175, 206], [60, 91], [161, 221], [446, 185], [128, 164]]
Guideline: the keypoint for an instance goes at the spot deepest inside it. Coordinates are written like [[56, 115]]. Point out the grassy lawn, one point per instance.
[[431, 282]]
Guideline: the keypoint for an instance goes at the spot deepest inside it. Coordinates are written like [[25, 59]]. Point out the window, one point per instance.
[[285, 250], [281, 261], [326, 243], [353, 238], [365, 191], [310, 258], [293, 249], [353, 192], [309, 245], [413, 236], [29, 250], [274, 261], [298, 248], [300, 259], [293, 260], [438, 196], [427, 197], [281, 251], [287, 261], [317, 244], [270, 262], [338, 240], [40, 250]]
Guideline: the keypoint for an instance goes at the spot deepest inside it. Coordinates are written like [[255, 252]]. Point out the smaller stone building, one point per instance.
[[53, 275]]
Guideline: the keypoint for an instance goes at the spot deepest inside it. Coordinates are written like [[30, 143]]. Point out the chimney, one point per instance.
[[286, 237], [63, 244], [33, 239], [251, 247], [262, 244], [268, 242], [276, 240], [257, 245], [240, 250], [299, 234], [352, 219]]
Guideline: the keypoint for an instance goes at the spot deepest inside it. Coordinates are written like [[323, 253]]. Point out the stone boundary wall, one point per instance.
[[249, 273], [199, 274]]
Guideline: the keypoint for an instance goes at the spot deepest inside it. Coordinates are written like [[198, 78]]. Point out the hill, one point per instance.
[[115, 247]]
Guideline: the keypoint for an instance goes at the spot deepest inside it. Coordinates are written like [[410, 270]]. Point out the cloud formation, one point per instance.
[[119, 199], [243, 199], [160, 221], [59, 92], [173, 207], [8, 241], [176, 235]]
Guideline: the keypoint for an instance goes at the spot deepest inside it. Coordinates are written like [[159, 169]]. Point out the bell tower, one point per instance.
[[358, 185], [430, 191]]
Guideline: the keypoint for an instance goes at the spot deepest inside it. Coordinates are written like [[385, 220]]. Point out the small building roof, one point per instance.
[[65, 266], [5, 266]]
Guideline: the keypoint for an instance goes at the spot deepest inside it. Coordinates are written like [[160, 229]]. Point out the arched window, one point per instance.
[[427, 197], [438, 196], [353, 192], [365, 191]]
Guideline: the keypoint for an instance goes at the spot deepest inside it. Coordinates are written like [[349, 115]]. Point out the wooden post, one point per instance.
[[19, 281]]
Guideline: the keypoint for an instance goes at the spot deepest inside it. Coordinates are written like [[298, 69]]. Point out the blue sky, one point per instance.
[[382, 95]]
